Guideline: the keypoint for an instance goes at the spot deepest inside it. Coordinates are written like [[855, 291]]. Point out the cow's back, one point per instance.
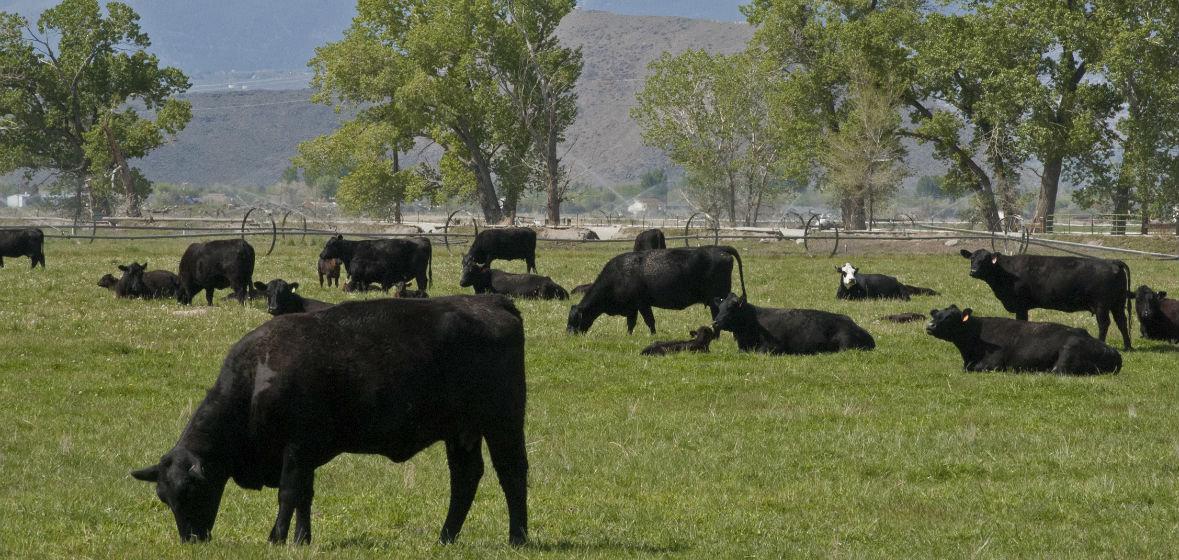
[[673, 278], [1064, 283], [810, 331], [388, 376]]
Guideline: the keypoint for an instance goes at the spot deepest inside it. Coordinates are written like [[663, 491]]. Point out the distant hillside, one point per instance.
[[247, 137]]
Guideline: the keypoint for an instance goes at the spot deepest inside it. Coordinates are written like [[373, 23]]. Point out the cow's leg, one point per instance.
[[1, 262], [1022, 315], [648, 317], [241, 292], [531, 260], [510, 459], [209, 296], [464, 456], [296, 488], [321, 280], [632, 317], [1102, 323], [1119, 316]]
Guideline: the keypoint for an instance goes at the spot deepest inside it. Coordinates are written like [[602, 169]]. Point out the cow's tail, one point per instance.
[[740, 267], [918, 291], [1129, 300]]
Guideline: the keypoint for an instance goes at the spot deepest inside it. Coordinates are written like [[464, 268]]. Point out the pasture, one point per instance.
[[893, 453]]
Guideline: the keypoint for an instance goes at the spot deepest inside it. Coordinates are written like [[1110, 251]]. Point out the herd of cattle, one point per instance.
[[393, 376]]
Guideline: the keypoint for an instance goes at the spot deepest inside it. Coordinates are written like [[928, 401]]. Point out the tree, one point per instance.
[[538, 75], [715, 116], [71, 108]]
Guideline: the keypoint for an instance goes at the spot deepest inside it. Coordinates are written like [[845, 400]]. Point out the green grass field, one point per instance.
[[893, 453]]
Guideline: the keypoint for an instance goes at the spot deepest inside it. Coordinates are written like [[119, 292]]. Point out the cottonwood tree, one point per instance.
[[717, 117], [70, 89]]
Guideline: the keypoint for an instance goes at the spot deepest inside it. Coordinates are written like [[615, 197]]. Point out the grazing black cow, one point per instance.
[[282, 299], [329, 268], [212, 265], [632, 283], [854, 285], [1158, 317], [489, 281], [383, 261], [28, 242], [788, 331], [505, 244], [701, 338], [650, 239], [403, 292], [1002, 344], [107, 281], [1023, 282], [388, 377]]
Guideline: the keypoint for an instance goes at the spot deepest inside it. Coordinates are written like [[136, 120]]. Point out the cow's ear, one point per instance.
[[966, 314], [260, 286], [148, 474], [995, 258], [966, 253], [839, 270], [293, 285], [123, 268], [692, 333], [1161, 294], [340, 236], [197, 471], [145, 265]]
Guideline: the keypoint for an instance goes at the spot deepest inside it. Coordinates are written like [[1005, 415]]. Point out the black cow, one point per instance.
[[1023, 282], [854, 285], [633, 283], [28, 242], [212, 265], [650, 239], [701, 338], [505, 244], [329, 268], [355, 286], [788, 331], [282, 299], [388, 377], [1158, 317], [138, 282], [489, 281], [383, 261], [999, 343], [107, 281]]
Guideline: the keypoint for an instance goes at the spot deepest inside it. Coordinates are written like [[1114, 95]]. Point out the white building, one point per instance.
[[17, 200]]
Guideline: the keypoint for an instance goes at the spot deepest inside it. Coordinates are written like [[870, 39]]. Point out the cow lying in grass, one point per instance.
[[702, 337], [788, 331], [1001, 344], [282, 299], [1158, 317], [490, 281], [403, 292], [854, 285]]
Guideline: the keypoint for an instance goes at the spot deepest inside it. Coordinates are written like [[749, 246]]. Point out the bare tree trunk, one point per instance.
[[124, 174], [481, 168], [1049, 183]]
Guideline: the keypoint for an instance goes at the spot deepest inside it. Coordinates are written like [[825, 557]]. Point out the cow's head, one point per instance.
[[189, 489], [847, 274], [107, 281], [1148, 302], [333, 249], [474, 273], [132, 281], [579, 320], [280, 296], [982, 262], [948, 323], [732, 313]]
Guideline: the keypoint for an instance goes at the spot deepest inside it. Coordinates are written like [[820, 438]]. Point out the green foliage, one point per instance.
[[893, 453], [69, 107]]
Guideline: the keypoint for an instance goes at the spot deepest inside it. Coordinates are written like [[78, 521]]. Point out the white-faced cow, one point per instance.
[[490, 281], [650, 239], [27, 242], [1158, 317], [282, 299], [383, 261], [1023, 282], [330, 269], [224, 263], [701, 339], [1002, 344], [854, 285], [388, 377], [788, 331], [504, 244], [632, 283]]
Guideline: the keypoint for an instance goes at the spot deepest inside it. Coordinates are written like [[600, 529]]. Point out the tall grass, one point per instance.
[[891, 453]]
